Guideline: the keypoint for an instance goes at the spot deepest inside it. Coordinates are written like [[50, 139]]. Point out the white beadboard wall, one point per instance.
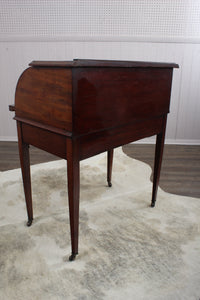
[[121, 30]]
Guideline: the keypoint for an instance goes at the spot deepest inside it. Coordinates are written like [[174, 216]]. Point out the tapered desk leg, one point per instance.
[[26, 176], [73, 173], [158, 161], [109, 166]]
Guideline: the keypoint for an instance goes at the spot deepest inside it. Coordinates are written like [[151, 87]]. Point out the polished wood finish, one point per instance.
[[11, 107], [73, 172], [46, 140], [98, 142], [157, 164], [44, 95], [132, 90], [90, 63], [26, 175], [109, 166], [92, 106]]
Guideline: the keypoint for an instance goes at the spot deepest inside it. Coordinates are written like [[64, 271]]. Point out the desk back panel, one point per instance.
[[111, 97], [98, 142]]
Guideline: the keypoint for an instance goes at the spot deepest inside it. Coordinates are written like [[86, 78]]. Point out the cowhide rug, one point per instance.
[[127, 249]]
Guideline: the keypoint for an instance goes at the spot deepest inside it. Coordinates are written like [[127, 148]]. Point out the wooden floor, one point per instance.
[[180, 172]]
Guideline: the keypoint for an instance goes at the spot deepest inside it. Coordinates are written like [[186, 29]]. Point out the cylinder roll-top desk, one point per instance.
[[80, 108]]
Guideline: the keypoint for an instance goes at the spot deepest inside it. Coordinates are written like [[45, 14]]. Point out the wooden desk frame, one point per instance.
[[75, 146]]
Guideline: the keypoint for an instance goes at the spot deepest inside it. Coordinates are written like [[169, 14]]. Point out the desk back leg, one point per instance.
[[160, 139], [109, 166], [26, 176], [73, 174]]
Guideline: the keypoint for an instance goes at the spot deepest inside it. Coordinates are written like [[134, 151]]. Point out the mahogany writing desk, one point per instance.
[[80, 108]]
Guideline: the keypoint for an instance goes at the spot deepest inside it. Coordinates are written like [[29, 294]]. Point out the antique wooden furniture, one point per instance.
[[77, 109]]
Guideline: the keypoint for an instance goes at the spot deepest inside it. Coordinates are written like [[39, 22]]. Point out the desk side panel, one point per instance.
[[43, 139], [44, 95], [112, 97]]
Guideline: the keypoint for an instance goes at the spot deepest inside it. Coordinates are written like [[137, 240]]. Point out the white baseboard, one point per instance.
[[99, 38], [182, 142], [8, 138], [150, 140]]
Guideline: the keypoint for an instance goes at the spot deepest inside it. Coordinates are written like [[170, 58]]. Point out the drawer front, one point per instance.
[[110, 97], [44, 95]]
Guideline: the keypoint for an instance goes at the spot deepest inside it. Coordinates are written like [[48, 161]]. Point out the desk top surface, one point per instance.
[[102, 63]]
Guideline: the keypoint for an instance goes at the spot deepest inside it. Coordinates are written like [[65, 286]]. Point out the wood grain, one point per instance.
[[44, 95], [180, 173], [102, 107], [107, 98], [96, 143]]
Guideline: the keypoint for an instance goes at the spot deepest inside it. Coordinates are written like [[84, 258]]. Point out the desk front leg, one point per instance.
[[109, 166], [73, 174], [26, 175], [160, 139]]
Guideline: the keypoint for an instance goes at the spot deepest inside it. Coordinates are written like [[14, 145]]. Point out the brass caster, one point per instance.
[[72, 257], [109, 184], [29, 222]]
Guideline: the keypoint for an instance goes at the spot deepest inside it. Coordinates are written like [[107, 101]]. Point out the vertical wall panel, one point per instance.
[[189, 111], [153, 30], [94, 18]]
